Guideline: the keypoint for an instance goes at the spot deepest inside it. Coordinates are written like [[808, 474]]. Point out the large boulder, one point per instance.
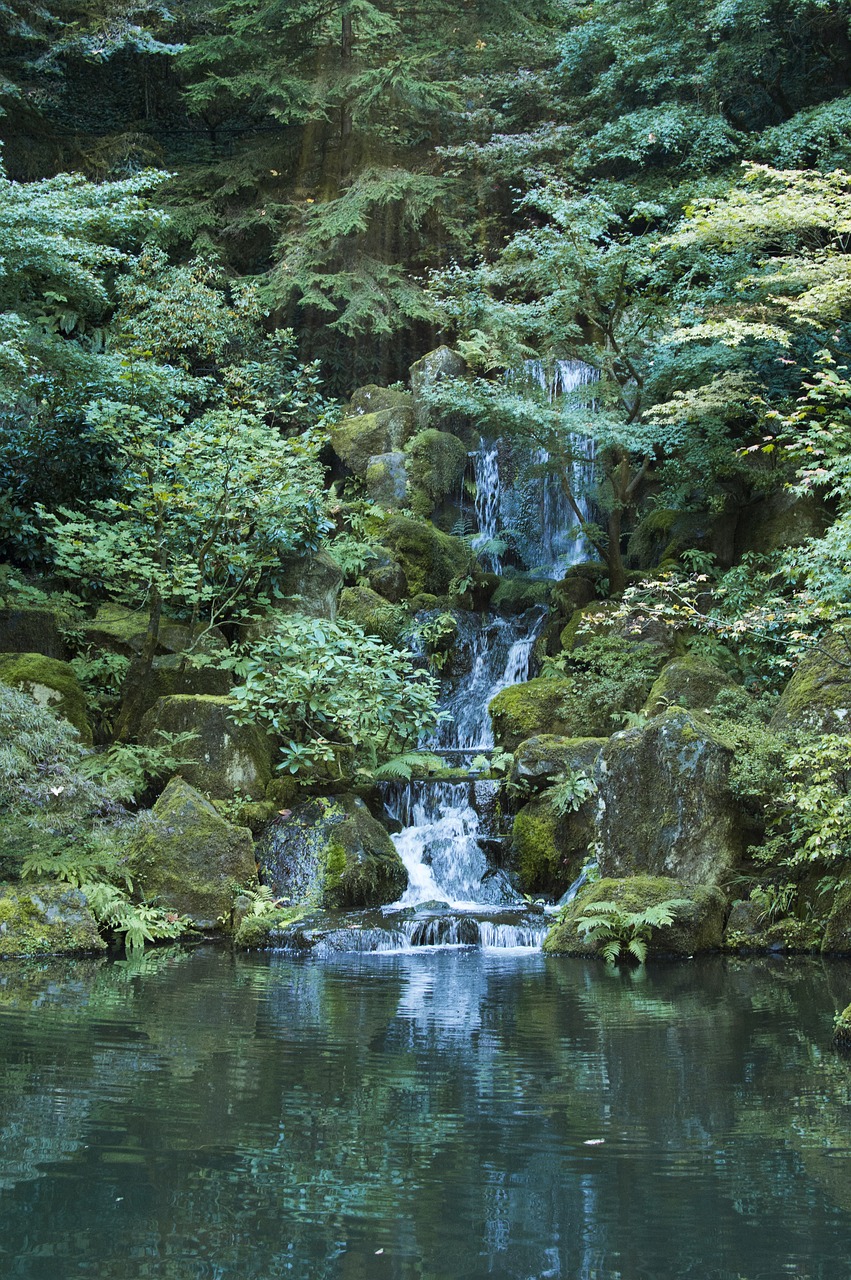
[[546, 758], [373, 399], [25, 630], [51, 683], [188, 858], [434, 367], [374, 614], [698, 924], [818, 697], [46, 919], [690, 682], [313, 582], [357, 439], [665, 804], [225, 758], [330, 852], [525, 710], [837, 933], [780, 520], [170, 674], [429, 559], [437, 462]]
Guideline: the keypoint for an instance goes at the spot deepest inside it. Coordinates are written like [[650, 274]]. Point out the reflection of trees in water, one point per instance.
[[276, 1118]]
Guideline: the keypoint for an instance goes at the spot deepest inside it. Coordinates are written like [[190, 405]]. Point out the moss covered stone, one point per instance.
[[330, 852], [665, 804], [31, 631], [436, 465], [357, 439], [837, 933], [698, 926], [525, 710], [518, 593], [434, 367], [372, 399], [429, 559], [225, 758], [188, 858], [46, 919], [261, 932], [690, 682], [842, 1029], [818, 697], [372, 612], [121, 630], [542, 760], [313, 583], [549, 848], [169, 675], [51, 683], [387, 480]]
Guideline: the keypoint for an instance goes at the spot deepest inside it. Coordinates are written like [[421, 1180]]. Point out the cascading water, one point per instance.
[[488, 487]]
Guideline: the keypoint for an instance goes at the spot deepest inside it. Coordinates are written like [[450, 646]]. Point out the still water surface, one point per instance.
[[442, 1116]]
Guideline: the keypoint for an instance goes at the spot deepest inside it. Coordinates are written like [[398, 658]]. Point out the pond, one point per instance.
[[441, 1115]]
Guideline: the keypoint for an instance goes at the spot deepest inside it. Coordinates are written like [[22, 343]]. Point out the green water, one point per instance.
[[205, 1116]]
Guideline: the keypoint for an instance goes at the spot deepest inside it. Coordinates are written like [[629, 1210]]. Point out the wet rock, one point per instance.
[[225, 758], [51, 683], [842, 1029], [698, 924], [46, 919], [330, 852], [387, 480], [690, 682], [31, 631], [357, 439], [516, 594], [525, 710], [665, 805], [818, 697], [186, 856], [549, 848]]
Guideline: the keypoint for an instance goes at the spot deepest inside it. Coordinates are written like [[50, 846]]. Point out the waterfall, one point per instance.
[[524, 494], [444, 823]]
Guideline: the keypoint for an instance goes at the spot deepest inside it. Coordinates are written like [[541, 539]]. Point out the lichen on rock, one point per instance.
[[691, 682], [46, 919], [225, 758], [818, 697]]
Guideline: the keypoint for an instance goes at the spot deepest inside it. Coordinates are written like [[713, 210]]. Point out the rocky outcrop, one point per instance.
[[690, 682], [429, 559], [546, 758], [374, 614], [698, 922], [330, 852], [549, 846], [225, 758], [188, 858], [818, 697], [25, 630], [357, 439], [525, 710], [387, 480], [51, 683], [434, 367], [46, 919], [665, 805]]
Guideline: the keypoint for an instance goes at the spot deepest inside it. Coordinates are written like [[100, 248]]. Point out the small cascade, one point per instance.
[[488, 486], [392, 933]]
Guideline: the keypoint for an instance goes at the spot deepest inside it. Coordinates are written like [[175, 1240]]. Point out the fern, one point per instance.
[[570, 792], [402, 767], [621, 933]]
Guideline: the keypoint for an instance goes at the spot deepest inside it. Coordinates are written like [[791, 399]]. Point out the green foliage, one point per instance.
[[570, 792], [405, 766], [813, 810], [326, 687], [625, 934], [609, 675]]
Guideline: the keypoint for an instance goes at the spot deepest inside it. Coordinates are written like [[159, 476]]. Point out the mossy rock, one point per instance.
[[188, 858], [817, 699], [525, 710], [330, 852], [313, 583], [387, 480], [577, 588], [387, 577], [121, 630], [665, 803], [690, 682], [226, 758], [698, 926], [374, 399], [517, 594], [837, 933], [266, 931], [170, 674], [434, 367], [373, 613], [51, 683], [429, 559], [542, 760], [549, 849], [842, 1029], [601, 619], [650, 538], [748, 930], [46, 919], [357, 439], [24, 630], [436, 465]]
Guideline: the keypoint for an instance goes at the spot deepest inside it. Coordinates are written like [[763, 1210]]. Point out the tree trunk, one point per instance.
[[346, 53]]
